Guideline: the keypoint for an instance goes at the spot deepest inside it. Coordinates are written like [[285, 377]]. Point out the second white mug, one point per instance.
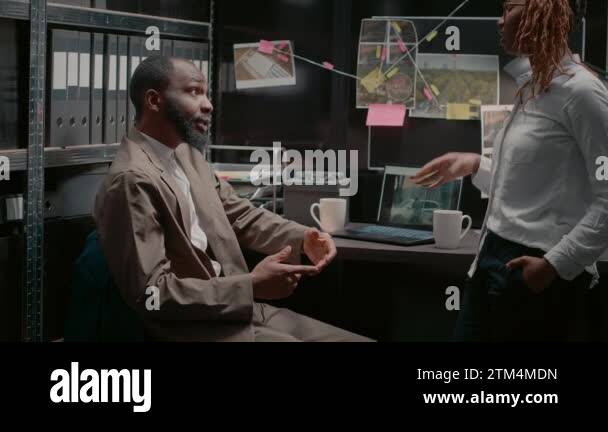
[[447, 228], [332, 214]]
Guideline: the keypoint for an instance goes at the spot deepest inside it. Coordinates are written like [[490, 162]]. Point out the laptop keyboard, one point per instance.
[[393, 232]]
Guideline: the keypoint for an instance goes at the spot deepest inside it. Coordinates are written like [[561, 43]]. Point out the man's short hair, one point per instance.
[[151, 74]]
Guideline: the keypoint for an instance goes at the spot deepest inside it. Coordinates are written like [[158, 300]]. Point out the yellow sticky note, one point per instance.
[[475, 102], [396, 27], [431, 36], [378, 51], [435, 90], [392, 72], [373, 80], [459, 111]]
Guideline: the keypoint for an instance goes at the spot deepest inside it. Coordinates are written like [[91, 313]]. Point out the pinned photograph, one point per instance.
[[460, 85], [387, 74], [256, 69]]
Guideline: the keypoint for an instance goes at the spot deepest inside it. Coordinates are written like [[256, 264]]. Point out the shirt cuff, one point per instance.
[[567, 268], [481, 180]]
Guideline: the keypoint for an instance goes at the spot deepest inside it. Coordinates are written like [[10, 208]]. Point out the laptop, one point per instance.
[[405, 211]]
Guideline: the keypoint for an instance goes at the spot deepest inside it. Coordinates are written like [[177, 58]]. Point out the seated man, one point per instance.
[[170, 228]]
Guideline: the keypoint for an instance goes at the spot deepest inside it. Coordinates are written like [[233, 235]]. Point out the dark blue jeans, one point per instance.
[[499, 307]]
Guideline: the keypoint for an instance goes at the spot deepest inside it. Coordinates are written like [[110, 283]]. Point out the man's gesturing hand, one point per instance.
[[273, 280], [319, 248]]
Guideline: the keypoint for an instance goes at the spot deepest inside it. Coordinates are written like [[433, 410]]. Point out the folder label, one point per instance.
[[85, 70], [123, 73], [73, 69], [98, 78], [59, 71], [112, 77]]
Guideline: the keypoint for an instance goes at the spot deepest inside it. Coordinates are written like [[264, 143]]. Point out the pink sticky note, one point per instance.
[[328, 65], [282, 45], [283, 58], [266, 47], [383, 53], [402, 46], [428, 94], [386, 115]]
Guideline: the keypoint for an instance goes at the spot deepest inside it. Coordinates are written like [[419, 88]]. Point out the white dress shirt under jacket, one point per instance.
[[167, 157]]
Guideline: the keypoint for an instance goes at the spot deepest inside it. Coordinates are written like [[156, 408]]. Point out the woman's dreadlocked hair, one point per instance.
[[543, 35]]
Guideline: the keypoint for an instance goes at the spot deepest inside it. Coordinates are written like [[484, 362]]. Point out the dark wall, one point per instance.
[[319, 109], [597, 34], [319, 112], [299, 116]]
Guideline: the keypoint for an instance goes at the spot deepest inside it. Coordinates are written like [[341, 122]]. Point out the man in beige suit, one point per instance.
[[168, 226]]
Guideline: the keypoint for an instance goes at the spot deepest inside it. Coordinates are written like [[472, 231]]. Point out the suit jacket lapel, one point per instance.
[[184, 208], [205, 199], [182, 202], [222, 239]]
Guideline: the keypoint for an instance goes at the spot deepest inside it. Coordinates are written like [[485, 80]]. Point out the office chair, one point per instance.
[[98, 312]]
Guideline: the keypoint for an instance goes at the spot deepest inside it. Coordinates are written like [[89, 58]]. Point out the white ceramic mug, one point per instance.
[[332, 214], [447, 228]]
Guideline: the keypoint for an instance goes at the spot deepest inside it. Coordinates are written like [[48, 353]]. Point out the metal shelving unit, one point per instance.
[[36, 157], [99, 19], [62, 157], [83, 17], [34, 209], [15, 9]]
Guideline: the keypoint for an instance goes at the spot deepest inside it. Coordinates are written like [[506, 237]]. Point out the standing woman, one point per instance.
[[547, 220]]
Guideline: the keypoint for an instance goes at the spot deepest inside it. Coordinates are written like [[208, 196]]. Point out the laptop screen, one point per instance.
[[403, 203]]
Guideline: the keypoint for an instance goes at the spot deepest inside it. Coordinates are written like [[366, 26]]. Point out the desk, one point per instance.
[[414, 291], [397, 293], [450, 260], [459, 260]]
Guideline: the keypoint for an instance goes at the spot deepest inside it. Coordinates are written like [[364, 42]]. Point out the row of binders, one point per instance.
[[91, 73]]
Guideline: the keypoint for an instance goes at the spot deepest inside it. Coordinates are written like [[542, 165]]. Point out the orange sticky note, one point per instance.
[[386, 115], [266, 47], [328, 65]]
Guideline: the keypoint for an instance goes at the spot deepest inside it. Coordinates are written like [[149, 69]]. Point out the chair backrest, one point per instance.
[[98, 312]]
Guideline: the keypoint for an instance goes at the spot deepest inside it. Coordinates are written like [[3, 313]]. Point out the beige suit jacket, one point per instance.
[[144, 229]]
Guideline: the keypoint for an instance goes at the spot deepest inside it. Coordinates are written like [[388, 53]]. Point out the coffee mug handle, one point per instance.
[[468, 228], [312, 213]]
